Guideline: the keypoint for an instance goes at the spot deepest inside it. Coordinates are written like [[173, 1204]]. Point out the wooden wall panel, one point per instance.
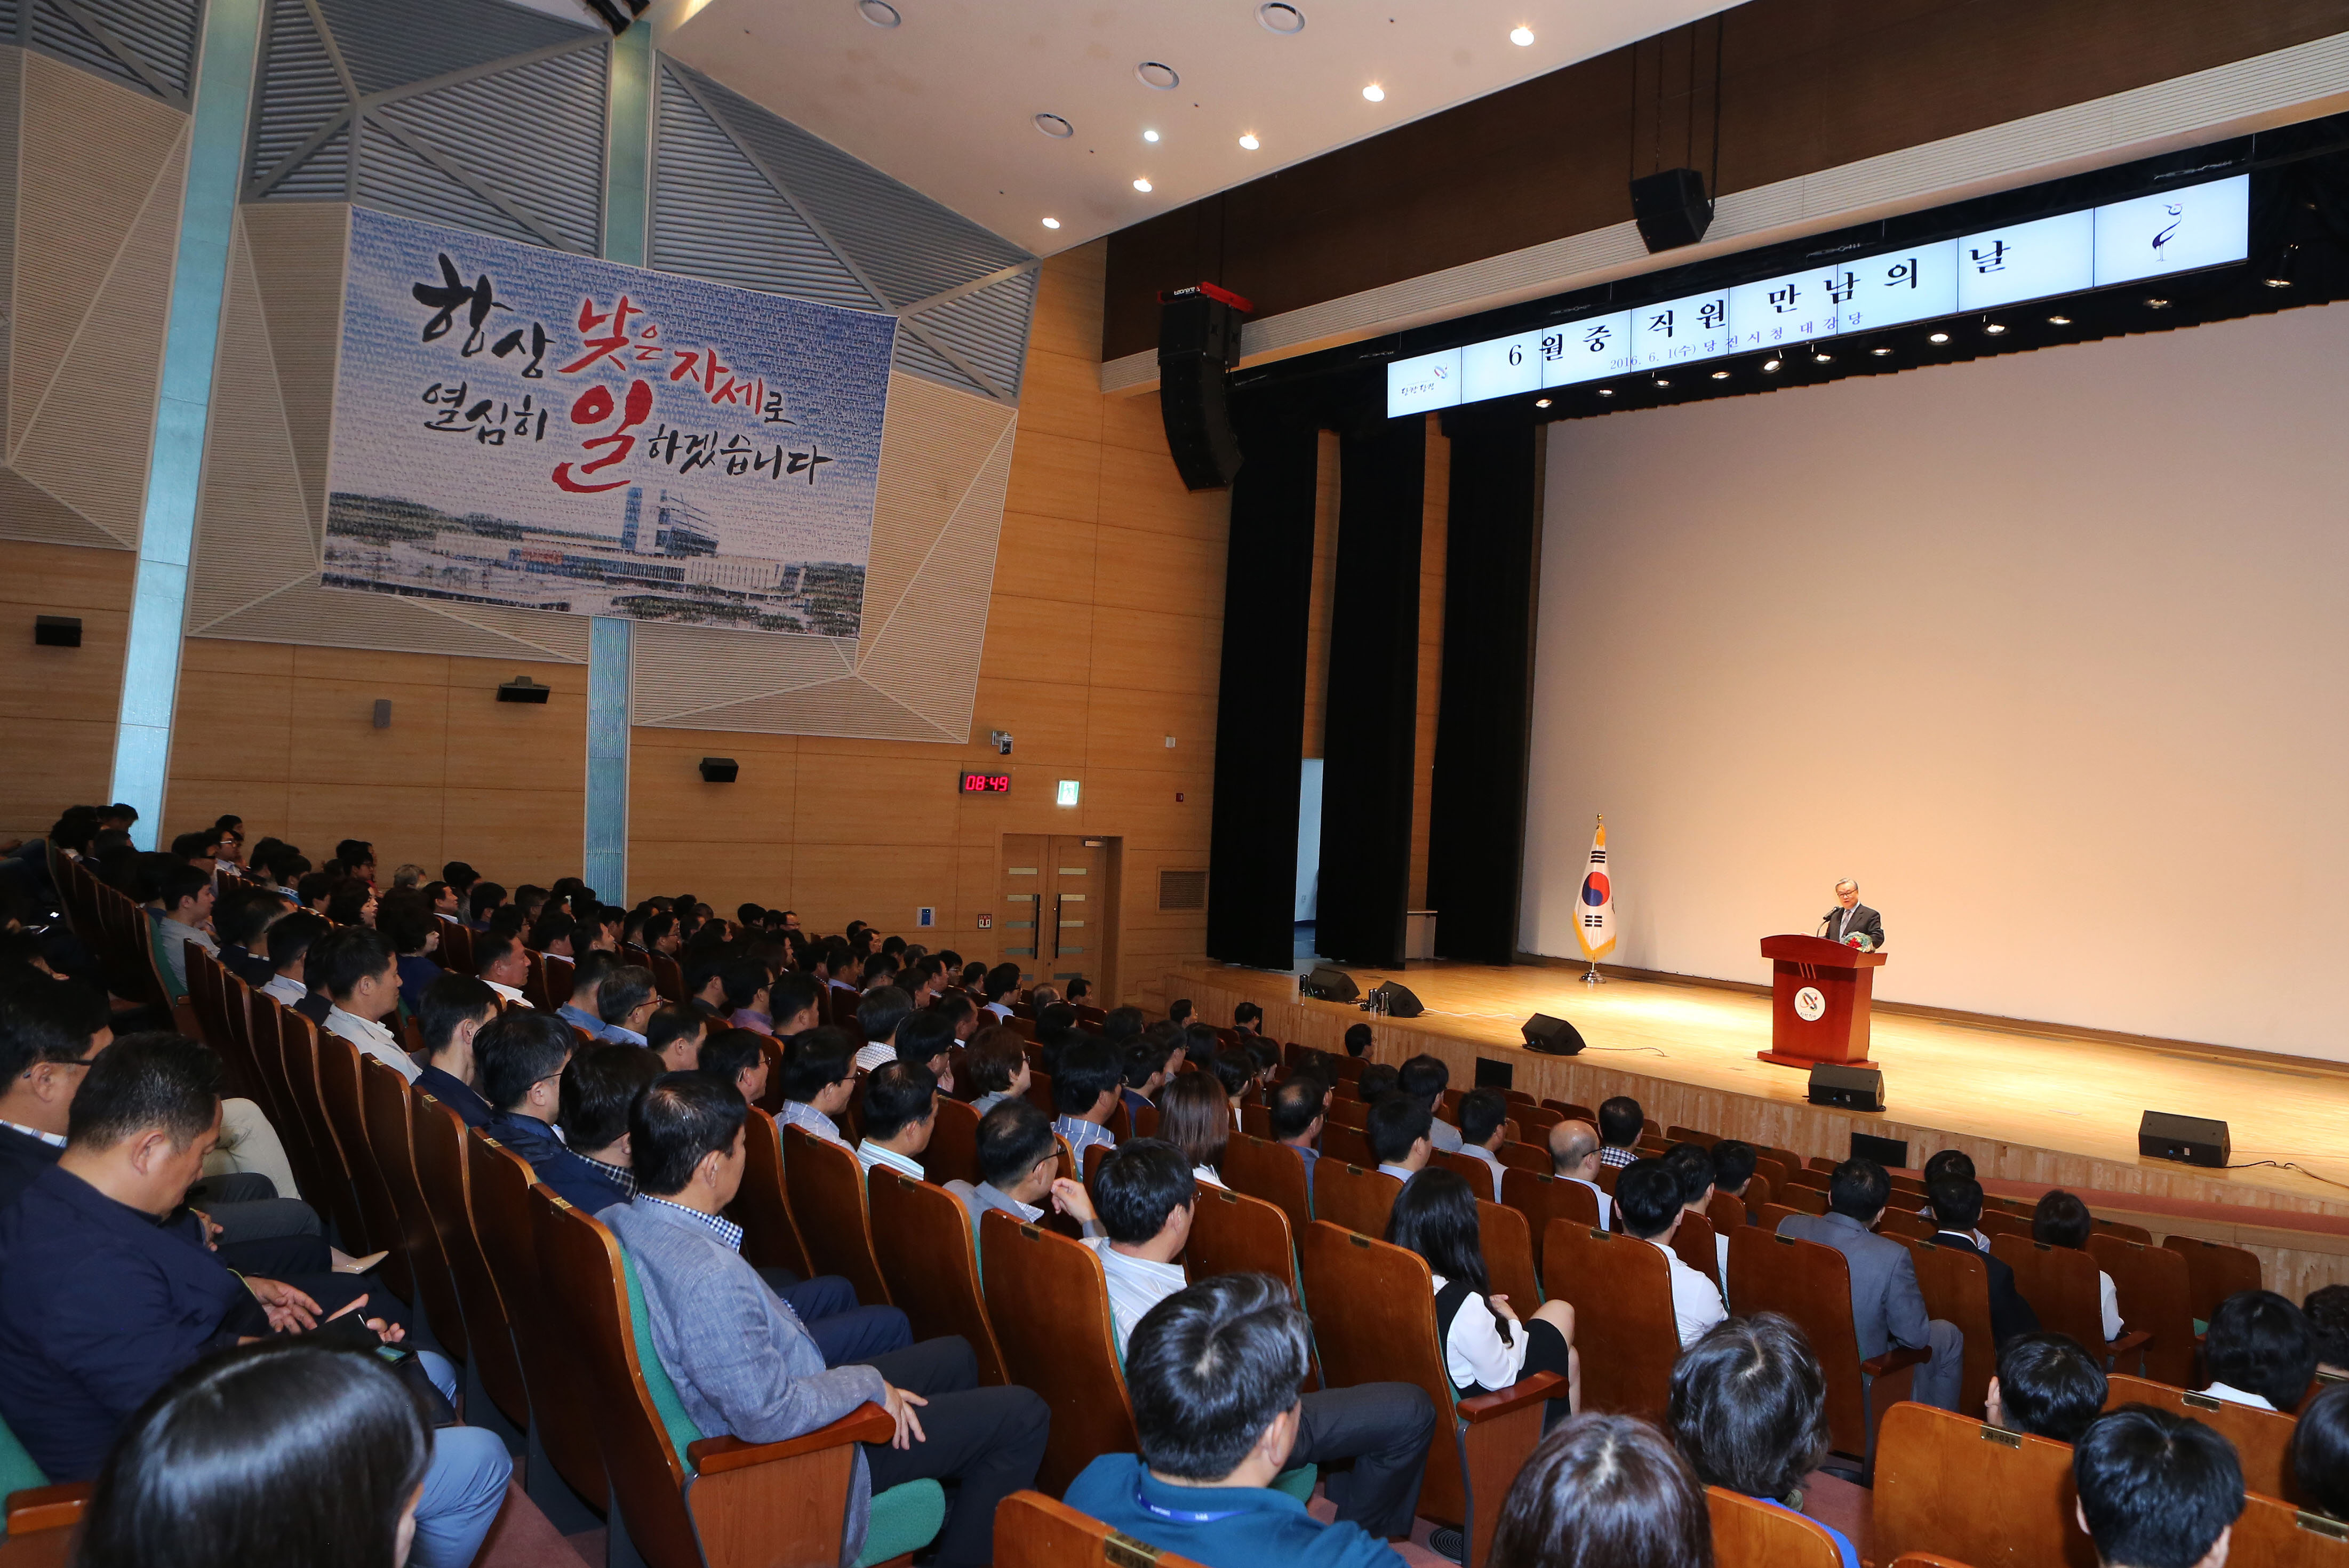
[[1806, 85], [58, 704]]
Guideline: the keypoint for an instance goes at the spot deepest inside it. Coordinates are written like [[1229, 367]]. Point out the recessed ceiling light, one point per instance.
[[1939, 337], [1248, 143], [2157, 304], [1772, 364], [2059, 321], [880, 13], [1721, 375], [1274, 17], [1051, 222], [1821, 358], [1607, 391], [1521, 37], [1879, 353], [1158, 75], [1662, 382], [1375, 93], [1995, 329], [1142, 185], [1541, 402], [1053, 126], [2276, 282], [1149, 136]]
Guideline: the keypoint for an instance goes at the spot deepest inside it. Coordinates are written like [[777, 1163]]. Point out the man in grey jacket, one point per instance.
[[1019, 1166], [1888, 1308], [744, 1365]]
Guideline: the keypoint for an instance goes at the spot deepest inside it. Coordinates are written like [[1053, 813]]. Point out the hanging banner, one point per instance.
[[522, 426]]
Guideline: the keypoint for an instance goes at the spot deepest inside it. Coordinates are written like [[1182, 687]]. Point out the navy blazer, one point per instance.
[[22, 1158], [99, 1306], [2010, 1314], [457, 1095], [563, 1173], [248, 966]]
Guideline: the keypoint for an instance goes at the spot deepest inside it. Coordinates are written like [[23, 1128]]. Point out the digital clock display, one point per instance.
[[986, 783]]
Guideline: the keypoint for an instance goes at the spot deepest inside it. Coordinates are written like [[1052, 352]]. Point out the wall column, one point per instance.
[[151, 666], [627, 192]]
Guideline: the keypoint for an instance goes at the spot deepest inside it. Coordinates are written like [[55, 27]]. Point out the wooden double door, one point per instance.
[[1056, 911]]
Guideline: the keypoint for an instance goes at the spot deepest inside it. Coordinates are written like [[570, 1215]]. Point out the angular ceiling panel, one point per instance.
[[389, 45], [534, 133]]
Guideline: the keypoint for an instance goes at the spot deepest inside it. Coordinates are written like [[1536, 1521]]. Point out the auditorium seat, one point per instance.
[[1802, 1200], [1946, 1483], [1926, 1560], [1569, 1111], [1508, 1248], [1232, 1232], [1040, 1090], [825, 1185], [1621, 1293], [338, 1087], [1995, 1225], [1727, 1213], [929, 1260], [1256, 1120], [1677, 1134], [1353, 1113], [953, 1153], [443, 1168], [1751, 1533], [1272, 1171], [2262, 1439], [1349, 1145], [1474, 1172], [534, 981], [1531, 1156], [2151, 1284], [1031, 1530], [298, 1048], [1535, 1120], [561, 976], [1357, 1197], [2270, 1533], [1095, 1153], [2061, 1286], [1956, 1286], [770, 1238], [1777, 1171], [1050, 1304], [389, 1112], [1373, 1311], [291, 1118], [2120, 1230], [669, 979], [1693, 1240], [2213, 1272], [690, 1501], [1904, 1221], [1770, 1216], [1811, 1283]]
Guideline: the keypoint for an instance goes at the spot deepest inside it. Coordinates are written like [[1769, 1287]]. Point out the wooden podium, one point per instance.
[[1818, 1001]]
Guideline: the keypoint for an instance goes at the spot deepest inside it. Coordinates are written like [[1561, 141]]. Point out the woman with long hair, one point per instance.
[[1195, 1115], [1487, 1345]]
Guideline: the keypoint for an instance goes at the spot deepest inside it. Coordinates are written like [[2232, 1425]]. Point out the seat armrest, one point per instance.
[[1516, 1397], [868, 1423], [2134, 1340], [1894, 1360], [46, 1507]]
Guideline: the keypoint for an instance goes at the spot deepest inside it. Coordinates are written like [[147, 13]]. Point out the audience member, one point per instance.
[[241, 925], [591, 1112], [353, 965], [2061, 1220], [1748, 1410], [819, 1079], [588, 974], [2046, 1386], [1233, 1067], [1604, 1491], [184, 914], [1484, 1128], [1486, 1346], [998, 1067], [290, 941], [1358, 1040], [1193, 1115], [1955, 1204], [2327, 1311], [1424, 1078], [746, 1367], [1888, 1308], [1573, 1156], [1397, 1131], [2320, 1452], [1732, 1167], [901, 1111], [796, 1005], [2156, 1491], [1247, 1018], [1144, 1195], [673, 1034], [926, 1039], [406, 923], [739, 1056], [1213, 1372], [879, 1014], [1620, 1122], [626, 1002], [1086, 1086], [1650, 1195], [1019, 1171], [452, 1011], [2259, 1351], [1145, 1071], [1296, 1117], [1691, 1166], [501, 960]]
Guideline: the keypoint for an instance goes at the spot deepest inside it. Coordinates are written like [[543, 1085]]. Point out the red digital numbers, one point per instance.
[[986, 783]]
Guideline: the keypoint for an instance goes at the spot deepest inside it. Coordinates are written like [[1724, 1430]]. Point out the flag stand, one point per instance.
[[1592, 976]]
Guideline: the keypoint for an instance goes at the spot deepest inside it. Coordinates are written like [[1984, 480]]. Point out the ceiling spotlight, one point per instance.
[[1607, 391], [1879, 353], [1274, 16], [2059, 321], [1149, 136], [1662, 382], [1521, 37], [1375, 93], [1995, 329], [880, 13], [1721, 375], [1541, 402], [1143, 186], [2156, 304], [1821, 358], [1051, 222], [2275, 282], [1157, 74], [1772, 363], [1938, 338], [1053, 126], [1248, 143]]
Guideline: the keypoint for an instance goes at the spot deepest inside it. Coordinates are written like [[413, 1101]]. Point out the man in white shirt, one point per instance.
[[1001, 981], [817, 1082], [1573, 1157], [1398, 1136], [1484, 1126], [289, 951], [880, 1012], [355, 966], [1019, 1170], [1648, 1193], [2260, 1351], [1691, 1166], [1086, 1089], [502, 962], [901, 1111]]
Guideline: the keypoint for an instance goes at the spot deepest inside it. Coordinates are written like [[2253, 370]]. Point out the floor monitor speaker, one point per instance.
[[1394, 1001], [1328, 985], [1552, 1037], [1850, 1089], [2162, 1136], [1671, 208]]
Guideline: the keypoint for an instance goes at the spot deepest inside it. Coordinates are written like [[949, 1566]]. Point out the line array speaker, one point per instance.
[[1671, 208], [1198, 343]]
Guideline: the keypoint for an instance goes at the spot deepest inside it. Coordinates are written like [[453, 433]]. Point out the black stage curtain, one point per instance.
[[1477, 820], [1366, 780], [1260, 704]]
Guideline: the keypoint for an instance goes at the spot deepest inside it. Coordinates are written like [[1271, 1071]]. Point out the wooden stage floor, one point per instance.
[[2028, 1107]]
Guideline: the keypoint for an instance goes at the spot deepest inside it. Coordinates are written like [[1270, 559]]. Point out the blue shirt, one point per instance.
[[1850, 1557], [416, 972], [1229, 1527], [580, 1018]]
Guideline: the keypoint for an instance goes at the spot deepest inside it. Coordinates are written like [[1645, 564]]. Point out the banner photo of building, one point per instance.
[[522, 426]]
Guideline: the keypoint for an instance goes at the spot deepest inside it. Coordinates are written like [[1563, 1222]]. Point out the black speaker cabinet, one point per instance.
[[2162, 1136], [1850, 1089], [1330, 985], [1671, 208], [1552, 1037], [1395, 1001], [1198, 343]]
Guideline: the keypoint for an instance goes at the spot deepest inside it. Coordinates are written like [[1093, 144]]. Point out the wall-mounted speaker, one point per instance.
[[719, 770], [1671, 208], [1198, 343], [1552, 1037], [1847, 1088], [2191, 1139], [56, 630], [521, 689]]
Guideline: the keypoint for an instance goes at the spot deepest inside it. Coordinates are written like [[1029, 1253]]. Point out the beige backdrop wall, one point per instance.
[[2046, 650]]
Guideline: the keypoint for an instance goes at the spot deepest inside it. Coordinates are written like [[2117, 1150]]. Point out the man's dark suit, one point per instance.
[[261, 1234], [2010, 1314], [1864, 920]]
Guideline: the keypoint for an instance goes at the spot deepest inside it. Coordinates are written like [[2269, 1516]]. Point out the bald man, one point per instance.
[[1573, 1157], [1851, 918]]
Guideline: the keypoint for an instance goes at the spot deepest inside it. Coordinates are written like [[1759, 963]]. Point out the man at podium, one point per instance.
[[1851, 918]]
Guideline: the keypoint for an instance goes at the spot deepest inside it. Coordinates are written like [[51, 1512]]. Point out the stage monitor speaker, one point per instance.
[[2192, 1139], [1671, 208], [1394, 1001], [1552, 1037], [1328, 985], [1198, 343], [1850, 1089]]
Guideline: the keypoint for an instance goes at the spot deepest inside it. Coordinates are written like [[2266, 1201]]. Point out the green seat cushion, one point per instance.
[[17, 1471], [904, 1519], [1299, 1482]]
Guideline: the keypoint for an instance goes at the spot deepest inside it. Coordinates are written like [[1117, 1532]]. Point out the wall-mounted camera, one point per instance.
[[1002, 738]]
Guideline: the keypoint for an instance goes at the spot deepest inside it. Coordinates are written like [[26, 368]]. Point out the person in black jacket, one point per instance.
[[2046, 1386], [1851, 918], [1956, 1210]]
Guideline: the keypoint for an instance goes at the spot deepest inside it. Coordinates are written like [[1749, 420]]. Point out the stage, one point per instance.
[[2035, 1108]]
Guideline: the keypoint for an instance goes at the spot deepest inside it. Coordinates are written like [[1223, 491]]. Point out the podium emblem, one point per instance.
[[1810, 1004]]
